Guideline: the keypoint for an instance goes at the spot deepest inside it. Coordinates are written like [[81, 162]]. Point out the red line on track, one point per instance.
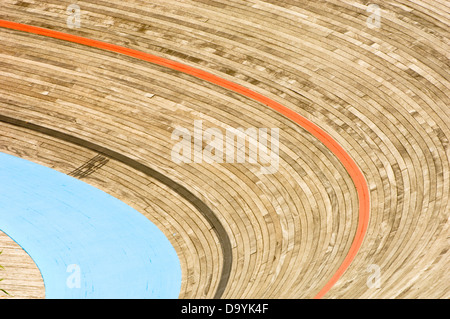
[[351, 167]]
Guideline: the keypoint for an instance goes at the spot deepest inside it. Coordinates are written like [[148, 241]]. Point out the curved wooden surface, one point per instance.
[[381, 93]]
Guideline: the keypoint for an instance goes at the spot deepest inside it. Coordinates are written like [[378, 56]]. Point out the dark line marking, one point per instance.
[[327, 140], [90, 167], [206, 212]]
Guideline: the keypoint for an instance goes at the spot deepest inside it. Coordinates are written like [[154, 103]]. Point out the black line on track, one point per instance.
[[207, 213]]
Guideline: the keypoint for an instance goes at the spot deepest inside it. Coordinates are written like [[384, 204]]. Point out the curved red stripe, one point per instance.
[[351, 167]]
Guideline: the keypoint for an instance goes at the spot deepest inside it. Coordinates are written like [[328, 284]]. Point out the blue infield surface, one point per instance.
[[86, 243]]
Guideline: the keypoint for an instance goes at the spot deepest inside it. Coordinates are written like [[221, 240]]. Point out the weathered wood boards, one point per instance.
[[380, 91]]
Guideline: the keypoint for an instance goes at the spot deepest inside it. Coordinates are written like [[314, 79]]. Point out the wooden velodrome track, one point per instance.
[[382, 94]]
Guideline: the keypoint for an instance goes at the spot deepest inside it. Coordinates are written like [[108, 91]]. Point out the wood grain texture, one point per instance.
[[21, 277], [383, 94]]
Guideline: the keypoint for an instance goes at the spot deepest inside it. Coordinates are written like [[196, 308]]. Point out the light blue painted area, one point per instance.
[[61, 221]]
